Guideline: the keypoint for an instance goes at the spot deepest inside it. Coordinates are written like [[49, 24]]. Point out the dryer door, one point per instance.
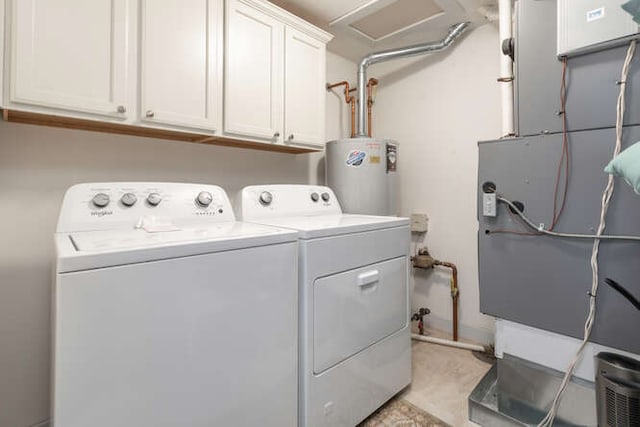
[[357, 308]]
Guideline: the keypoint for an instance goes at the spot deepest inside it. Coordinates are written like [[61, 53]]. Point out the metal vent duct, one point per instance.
[[387, 55]]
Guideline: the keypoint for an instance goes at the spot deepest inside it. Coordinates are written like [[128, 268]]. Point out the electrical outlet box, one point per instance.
[[489, 204], [419, 222], [589, 25]]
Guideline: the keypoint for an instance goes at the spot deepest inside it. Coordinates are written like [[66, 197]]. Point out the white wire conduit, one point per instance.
[[442, 341], [542, 230], [505, 8]]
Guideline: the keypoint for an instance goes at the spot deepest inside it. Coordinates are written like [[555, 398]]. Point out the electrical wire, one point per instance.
[[547, 421], [564, 156], [516, 232], [541, 230], [564, 161], [624, 292]]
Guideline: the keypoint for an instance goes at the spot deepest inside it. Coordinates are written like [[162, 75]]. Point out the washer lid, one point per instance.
[[96, 241], [94, 249], [314, 226]]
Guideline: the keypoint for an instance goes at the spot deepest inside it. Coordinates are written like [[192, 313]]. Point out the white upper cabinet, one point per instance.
[[71, 55], [244, 70], [274, 75], [181, 62], [253, 73], [305, 89]]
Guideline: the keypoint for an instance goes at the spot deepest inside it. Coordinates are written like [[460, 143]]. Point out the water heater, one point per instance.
[[363, 174]]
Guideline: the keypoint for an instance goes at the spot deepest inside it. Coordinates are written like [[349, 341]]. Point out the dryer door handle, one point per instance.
[[368, 277]]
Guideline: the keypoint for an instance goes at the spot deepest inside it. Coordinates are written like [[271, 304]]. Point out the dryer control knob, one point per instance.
[[265, 198], [204, 199], [154, 199], [101, 200], [128, 199], [315, 197], [325, 197]]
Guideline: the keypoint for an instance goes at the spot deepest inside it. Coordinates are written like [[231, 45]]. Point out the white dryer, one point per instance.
[[168, 312], [355, 348]]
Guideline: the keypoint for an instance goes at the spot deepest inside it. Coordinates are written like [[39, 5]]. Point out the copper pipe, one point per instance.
[[455, 293], [370, 84], [353, 115], [349, 99]]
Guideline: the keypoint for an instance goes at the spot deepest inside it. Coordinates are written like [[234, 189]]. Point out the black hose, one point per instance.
[[625, 293]]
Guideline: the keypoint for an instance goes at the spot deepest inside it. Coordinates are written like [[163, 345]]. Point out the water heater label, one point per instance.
[[392, 158], [356, 157]]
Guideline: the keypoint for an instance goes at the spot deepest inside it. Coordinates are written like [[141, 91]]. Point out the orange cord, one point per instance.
[[564, 160]]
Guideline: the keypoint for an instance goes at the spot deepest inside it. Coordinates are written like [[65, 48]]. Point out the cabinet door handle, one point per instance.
[[291, 137], [276, 135], [121, 109], [149, 113]]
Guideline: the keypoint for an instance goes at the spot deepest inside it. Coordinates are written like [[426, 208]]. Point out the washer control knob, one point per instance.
[[325, 197], [204, 199], [101, 200], [315, 197], [154, 199], [265, 198], [128, 199]]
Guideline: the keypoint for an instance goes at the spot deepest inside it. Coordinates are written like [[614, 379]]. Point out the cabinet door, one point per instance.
[[305, 89], [253, 73], [181, 64], [71, 54]]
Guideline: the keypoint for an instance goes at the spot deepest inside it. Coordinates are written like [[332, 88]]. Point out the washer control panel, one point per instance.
[[262, 201], [119, 205]]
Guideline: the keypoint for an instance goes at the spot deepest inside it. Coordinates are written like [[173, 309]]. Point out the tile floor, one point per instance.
[[443, 378]]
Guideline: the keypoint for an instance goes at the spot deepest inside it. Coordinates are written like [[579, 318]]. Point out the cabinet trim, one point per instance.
[[26, 117], [289, 19]]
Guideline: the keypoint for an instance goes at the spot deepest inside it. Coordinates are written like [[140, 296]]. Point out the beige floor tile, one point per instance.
[[443, 378]]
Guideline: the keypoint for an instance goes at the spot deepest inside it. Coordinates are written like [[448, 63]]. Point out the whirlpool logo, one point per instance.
[[356, 157], [101, 213]]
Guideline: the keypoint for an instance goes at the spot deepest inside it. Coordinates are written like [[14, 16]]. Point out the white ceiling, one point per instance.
[[364, 26]]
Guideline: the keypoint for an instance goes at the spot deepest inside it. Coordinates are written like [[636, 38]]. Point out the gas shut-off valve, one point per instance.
[[419, 317]]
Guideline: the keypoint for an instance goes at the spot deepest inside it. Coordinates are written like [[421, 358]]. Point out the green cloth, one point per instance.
[[633, 7], [627, 165]]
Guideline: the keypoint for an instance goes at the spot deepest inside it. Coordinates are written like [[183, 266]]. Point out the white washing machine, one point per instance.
[[355, 344], [168, 312]]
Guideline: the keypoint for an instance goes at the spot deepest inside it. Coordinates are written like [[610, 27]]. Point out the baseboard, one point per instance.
[[45, 423]]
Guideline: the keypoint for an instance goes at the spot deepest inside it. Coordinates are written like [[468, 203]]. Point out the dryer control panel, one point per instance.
[[124, 205], [272, 201]]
